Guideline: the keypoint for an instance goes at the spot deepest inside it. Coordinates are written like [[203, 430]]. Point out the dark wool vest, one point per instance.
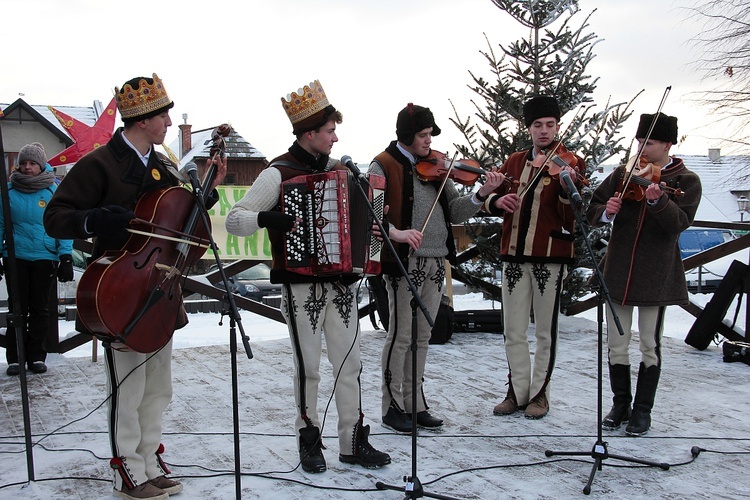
[[399, 196]]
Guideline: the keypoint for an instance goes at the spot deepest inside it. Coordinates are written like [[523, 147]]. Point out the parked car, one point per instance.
[[253, 283], [706, 278]]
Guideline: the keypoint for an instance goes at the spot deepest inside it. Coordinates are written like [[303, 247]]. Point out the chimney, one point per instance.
[[714, 154], [186, 137]]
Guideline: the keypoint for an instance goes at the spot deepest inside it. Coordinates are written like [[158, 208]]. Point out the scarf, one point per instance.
[[318, 163], [32, 183]]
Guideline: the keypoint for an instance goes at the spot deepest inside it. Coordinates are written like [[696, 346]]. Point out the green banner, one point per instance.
[[233, 247]]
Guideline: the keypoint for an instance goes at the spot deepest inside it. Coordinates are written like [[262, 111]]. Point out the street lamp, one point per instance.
[[743, 203]]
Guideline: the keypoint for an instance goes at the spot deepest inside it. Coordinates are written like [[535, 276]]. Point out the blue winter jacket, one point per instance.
[[30, 240]]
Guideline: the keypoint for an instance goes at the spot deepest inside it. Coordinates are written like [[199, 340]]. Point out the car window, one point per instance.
[[693, 241], [80, 258], [257, 272]]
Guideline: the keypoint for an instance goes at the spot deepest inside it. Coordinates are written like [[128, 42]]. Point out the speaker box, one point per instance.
[[705, 328], [479, 320]]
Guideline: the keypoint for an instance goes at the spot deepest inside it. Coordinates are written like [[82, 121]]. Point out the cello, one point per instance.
[[133, 296]]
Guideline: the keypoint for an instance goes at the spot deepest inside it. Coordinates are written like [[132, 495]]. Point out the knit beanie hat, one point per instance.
[[413, 119], [33, 152], [665, 128], [540, 107]]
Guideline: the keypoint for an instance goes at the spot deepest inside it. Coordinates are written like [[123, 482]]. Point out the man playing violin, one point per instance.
[[422, 252], [96, 199], [643, 266], [536, 244]]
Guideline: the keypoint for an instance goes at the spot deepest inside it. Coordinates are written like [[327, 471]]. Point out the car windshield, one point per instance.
[[257, 272]]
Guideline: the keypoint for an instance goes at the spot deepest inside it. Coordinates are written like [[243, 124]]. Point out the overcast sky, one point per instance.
[[233, 60]]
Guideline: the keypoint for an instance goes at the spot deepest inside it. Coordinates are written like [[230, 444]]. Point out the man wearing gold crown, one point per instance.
[[312, 305], [96, 199], [422, 252]]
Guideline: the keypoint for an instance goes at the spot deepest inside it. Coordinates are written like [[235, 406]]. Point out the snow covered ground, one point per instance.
[[702, 402]]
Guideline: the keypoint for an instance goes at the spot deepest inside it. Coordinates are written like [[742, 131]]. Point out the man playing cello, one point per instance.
[[96, 199]]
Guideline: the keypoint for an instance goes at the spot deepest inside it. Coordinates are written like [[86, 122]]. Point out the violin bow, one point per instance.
[[437, 197], [636, 159], [550, 155]]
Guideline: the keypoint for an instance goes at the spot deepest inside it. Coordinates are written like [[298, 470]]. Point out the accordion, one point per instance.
[[335, 235]]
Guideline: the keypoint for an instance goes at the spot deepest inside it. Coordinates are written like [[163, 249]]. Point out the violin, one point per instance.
[[435, 168], [640, 178], [636, 179], [557, 160], [552, 162], [133, 295]]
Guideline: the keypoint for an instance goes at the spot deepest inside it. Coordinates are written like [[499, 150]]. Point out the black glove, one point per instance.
[[108, 221], [65, 269], [276, 220], [2, 271]]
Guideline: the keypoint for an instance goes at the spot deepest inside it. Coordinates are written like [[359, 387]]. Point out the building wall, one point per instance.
[[17, 135]]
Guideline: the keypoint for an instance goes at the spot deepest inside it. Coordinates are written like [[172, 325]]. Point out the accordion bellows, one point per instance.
[[335, 236]]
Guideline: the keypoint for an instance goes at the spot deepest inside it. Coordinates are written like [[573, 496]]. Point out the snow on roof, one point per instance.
[[236, 146], [723, 180], [85, 114]]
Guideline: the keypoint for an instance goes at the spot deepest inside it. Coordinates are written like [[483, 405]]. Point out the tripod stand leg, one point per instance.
[[413, 487], [599, 451], [597, 466]]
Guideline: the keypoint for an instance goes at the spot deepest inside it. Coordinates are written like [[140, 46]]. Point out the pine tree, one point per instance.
[[551, 61]]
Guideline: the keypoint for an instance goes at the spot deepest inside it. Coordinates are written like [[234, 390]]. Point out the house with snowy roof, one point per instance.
[[725, 182], [23, 123]]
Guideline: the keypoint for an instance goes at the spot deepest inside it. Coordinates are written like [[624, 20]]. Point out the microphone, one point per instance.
[[570, 187], [348, 163], [191, 169]]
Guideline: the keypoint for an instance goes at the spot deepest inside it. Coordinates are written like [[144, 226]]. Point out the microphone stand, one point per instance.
[[234, 320], [14, 322], [599, 451], [413, 487]]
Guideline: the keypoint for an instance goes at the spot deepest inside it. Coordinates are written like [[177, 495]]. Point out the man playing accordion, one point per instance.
[[313, 304]]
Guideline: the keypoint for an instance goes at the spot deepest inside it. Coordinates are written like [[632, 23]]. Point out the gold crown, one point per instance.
[[142, 100], [305, 102]]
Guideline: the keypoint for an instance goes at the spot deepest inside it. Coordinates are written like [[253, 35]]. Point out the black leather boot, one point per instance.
[[645, 391], [619, 381], [311, 450], [364, 453]]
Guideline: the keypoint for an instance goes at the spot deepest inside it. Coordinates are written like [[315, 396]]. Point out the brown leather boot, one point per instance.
[[538, 407], [170, 486], [145, 490], [509, 405]]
